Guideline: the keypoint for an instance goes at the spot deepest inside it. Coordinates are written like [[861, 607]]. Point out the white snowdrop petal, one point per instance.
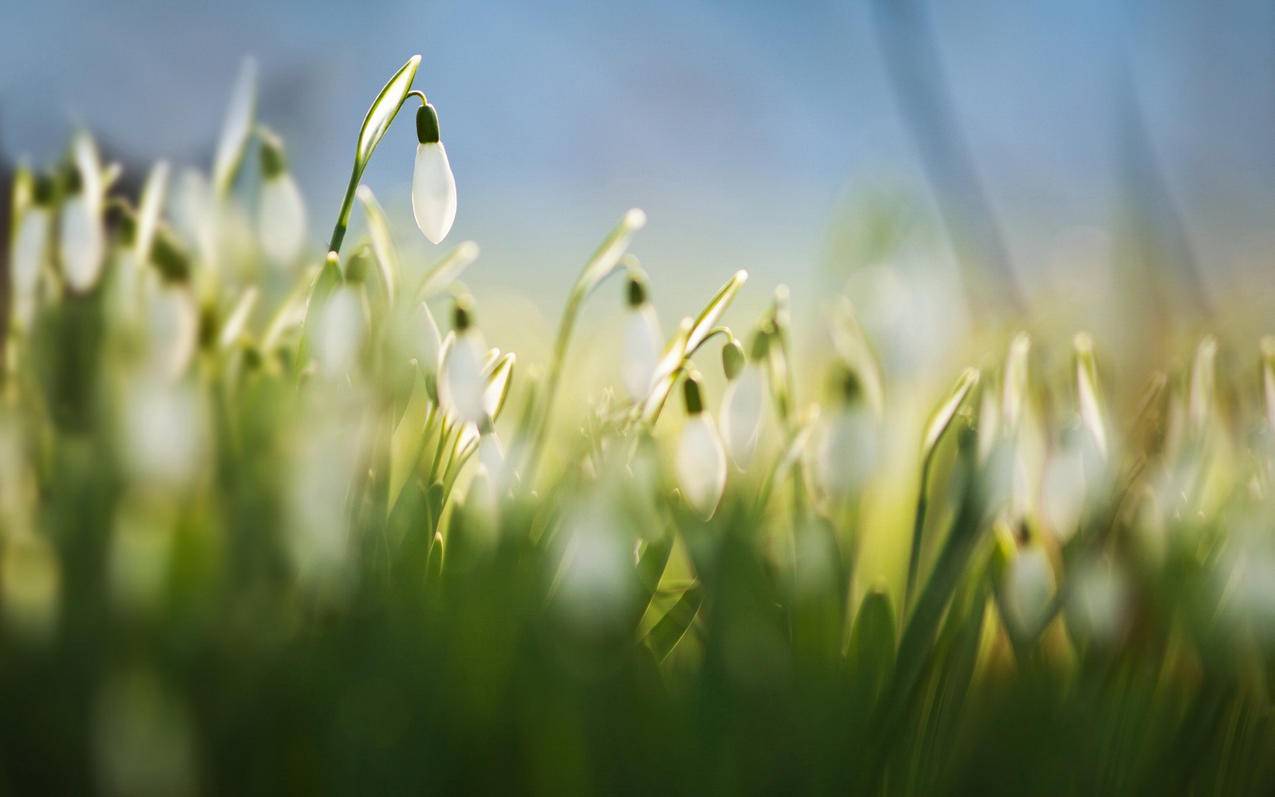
[[164, 430], [172, 328], [338, 333], [641, 351], [81, 242], [1029, 588], [433, 192], [28, 256], [847, 451], [282, 223], [462, 385], [701, 465], [741, 415]]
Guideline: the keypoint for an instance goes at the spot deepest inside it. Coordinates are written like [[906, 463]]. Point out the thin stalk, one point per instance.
[[343, 218], [918, 530]]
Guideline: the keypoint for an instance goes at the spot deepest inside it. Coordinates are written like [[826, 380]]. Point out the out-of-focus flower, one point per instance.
[[461, 384], [433, 186], [338, 333], [641, 341], [701, 460], [743, 402], [82, 240], [281, 226], [847, 442], [30, 248], [1029, 589]]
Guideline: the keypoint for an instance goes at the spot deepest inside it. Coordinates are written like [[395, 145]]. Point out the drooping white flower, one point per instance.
[[338, 333], [742, 404], [171, 325], [81, 239], [641, 342], [30, 245], [281, 226], [461, 385], [701, 460], [846, 451], [433, 186], [165, 438], [1029, 589]]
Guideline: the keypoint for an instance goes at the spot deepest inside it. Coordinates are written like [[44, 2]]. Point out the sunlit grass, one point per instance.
[[278, 519]]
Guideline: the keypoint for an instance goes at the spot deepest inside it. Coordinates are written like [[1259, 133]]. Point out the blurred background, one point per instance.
[[754, 134]]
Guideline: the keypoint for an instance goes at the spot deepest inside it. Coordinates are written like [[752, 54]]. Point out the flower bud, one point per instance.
[[82, 241], [641, 342], [741, 410], [30, 247], [701, 461], [433, 185], [461, 385], [281, 225]]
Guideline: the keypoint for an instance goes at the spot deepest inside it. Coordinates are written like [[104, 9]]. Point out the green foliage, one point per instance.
[[268, 531]]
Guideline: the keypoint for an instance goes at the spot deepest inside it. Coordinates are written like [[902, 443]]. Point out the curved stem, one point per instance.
[[347, 204]]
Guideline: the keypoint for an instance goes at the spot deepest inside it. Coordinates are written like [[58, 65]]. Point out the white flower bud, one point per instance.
[[82, 240], [741, 414], [846, 450], [281, 226], [461, 385], [641, 351], [433, 186], [701, 460], [1029, 589], [29, 246], [338, 333]]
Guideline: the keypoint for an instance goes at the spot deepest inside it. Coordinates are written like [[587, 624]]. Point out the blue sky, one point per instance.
[[738, 126]]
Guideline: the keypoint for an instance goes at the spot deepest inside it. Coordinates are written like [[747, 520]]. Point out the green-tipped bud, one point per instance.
[[44, 191], [463, 314], [427, 124], [360, 265], [69, 179], [636, 290], [760, 345], [273, 162], [848, 386], [693, 395], [732, 359]]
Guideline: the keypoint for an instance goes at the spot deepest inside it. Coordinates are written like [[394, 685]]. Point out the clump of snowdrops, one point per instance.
[[266, 523]]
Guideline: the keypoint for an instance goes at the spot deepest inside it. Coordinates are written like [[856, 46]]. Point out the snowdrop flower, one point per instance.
[[30, 247], [338, 333], [847, 446], [641, 341], [461, 384], [1062, 499], [701, 460], [164, 433], [281, 226], [744, 398], [171, 324], [82, 240], [597, 580], [433, 186], [1029, 589]]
